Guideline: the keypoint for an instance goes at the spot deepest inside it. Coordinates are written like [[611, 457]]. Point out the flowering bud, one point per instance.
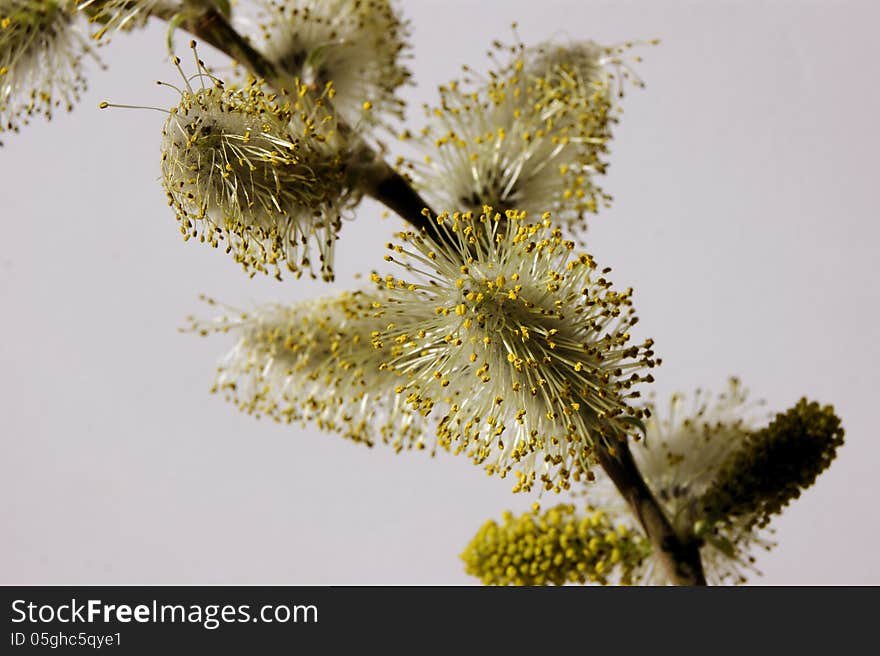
[[532, 137], [315, 361], [41, 53], [263, 176], [358, 45], [515, 342]]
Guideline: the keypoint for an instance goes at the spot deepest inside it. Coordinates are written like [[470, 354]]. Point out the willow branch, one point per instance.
[[680, 558]]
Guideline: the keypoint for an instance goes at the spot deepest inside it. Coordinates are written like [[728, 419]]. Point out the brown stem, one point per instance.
[[680, 558], [390, 188]]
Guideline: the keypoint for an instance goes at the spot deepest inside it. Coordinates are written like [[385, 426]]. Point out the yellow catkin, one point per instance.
[[516, 344], [552, 548], [260, 176], [318, 361], [559, 103], [361, 46], [42, 53]]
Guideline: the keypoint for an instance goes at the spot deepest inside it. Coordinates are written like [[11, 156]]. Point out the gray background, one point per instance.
[[745, 218]]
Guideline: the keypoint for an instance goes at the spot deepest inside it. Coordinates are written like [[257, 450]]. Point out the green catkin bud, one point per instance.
[[555, 547], [774, 465]]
